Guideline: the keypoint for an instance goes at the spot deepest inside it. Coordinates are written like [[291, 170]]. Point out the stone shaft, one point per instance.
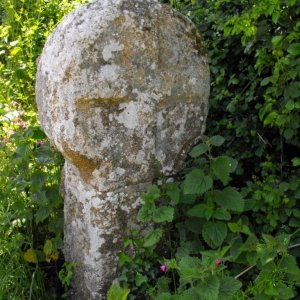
[[122, 92]]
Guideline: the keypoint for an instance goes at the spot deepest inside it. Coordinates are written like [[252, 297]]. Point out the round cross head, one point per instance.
[[122, 90]]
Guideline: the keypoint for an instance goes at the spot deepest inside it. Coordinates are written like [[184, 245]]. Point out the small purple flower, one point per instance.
[[218, 262], [41, 142], [163, 268]]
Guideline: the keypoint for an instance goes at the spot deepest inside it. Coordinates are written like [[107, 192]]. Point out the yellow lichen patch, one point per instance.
[[85, 165]]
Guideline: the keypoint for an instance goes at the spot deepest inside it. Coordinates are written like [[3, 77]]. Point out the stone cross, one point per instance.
[[122, 90]]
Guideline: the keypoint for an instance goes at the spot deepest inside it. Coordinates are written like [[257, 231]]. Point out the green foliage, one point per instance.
[[117, 293], [31, 214], [204, 241]]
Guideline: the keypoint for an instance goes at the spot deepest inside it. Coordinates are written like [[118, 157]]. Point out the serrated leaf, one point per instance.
[[214, 233], [30, 256], [197, 211], [117, 293], [228, 287], [173, 191], [289, 264], [222, 167], [163, 214], [230, 199], [222, 214], [189, 268], [217, 140], [199, 150], [42, 213], [209, 289], [146, 212], [37, 181], [197, 183], [152, 237], [152, 194]]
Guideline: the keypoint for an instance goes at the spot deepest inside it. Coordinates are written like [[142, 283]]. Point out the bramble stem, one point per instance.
[[245, 271]]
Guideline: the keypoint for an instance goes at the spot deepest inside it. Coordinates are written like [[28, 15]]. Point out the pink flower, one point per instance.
[[218, 262], [163, 268], [41, 142]]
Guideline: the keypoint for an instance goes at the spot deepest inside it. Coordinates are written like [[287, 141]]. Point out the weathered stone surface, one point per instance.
[[121, 86]]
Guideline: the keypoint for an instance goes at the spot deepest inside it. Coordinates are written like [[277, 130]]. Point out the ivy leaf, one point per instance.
[[199, 150], [209, 289], [230, 199], [229, 286], [152, 237], [173, 191], [217, 140], [214, 233], [222, 167], [163, 214], [197, 183]]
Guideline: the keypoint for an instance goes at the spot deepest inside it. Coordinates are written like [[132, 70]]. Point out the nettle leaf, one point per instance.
[[214, 233], [230, 199], [173, 191], [163, 214], [217, 140], [209, 289], [37, 181], [289, 265], [197, 211], [222, 214], [189, 269], [152, 237], [146, 212], [197, 183], [152, 194], [229, 286], [222, 166], [42, 213], [199, 150]]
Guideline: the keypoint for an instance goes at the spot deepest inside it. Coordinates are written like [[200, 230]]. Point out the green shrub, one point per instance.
[[31, 213], [228, 227]]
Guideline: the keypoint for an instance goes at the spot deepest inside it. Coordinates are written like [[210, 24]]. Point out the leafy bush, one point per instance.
[[228, 227], [31, 213]]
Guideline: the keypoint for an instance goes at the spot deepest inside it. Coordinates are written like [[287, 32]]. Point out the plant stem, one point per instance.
[[294, 246], [245, 271], [251, 267]]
